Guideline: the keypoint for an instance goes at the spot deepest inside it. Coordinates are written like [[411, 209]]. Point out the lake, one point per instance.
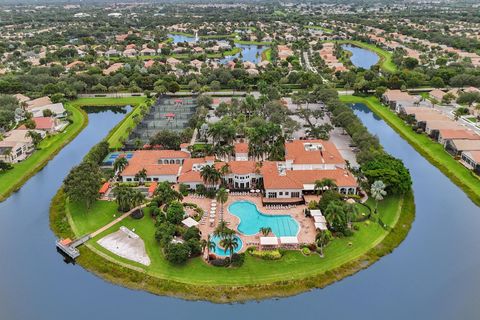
[[250, 52], [434, 274], [361, 58]]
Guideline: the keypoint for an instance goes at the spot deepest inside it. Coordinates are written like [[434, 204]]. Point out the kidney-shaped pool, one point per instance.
[[251, 220]]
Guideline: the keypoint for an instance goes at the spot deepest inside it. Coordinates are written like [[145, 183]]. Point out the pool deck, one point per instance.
[[306, 232]]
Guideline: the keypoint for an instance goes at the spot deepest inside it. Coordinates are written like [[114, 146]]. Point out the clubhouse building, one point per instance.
[[306, 161]]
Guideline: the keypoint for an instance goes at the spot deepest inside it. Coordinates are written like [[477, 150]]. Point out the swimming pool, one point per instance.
[[219, 251], [251, 220]]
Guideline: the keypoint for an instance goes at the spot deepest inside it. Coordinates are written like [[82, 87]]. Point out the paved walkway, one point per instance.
[[114, 222]]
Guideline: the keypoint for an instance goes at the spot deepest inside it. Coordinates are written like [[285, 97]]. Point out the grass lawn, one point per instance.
[[48, 148], [267, 55], [122, 129], [432, 151], [258, 43], [326, 30], [294, 265], [386, 62]]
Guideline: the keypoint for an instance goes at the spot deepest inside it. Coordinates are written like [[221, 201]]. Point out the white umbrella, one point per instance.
[[214, 205], [214, 201], [252, 191]]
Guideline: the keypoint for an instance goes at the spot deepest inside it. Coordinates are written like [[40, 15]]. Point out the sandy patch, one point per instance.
[[126, 244]]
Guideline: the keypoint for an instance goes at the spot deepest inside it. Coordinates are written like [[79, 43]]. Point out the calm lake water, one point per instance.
[[361, 57], [252, 53], [434, 274]]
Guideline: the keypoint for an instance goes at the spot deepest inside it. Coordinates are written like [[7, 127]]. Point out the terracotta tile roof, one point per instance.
[[458, 134], [241, 147], [474, 155], [342, 177], [241, 167], [427, 116], [148, 159], [467, 145], [297, 152], [44, 123], [273, 180], [188, 174]]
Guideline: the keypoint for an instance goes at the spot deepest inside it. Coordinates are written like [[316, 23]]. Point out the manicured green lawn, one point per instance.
[[326, 30], [432, 151], [267, 55], [21, 172], [293, 265], [258, 43], [386, 62], [122, 129]]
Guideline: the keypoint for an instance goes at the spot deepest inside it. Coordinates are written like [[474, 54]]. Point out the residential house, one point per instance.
[[17, 145]]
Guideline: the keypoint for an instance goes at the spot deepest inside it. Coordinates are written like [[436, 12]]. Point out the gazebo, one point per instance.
[[189, 222]]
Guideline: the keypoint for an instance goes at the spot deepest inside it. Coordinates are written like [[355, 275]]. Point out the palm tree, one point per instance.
[[325, 184], [209, 245], [35, 136], [321, 239], [265, 231], [224, 171], [210, 175], [377, 190], [230, 243], [222, 197], [220, 230], [334, 214], [120, 164], [141, 175]]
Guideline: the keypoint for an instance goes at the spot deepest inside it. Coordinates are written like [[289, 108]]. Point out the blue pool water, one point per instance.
[[110, 158], [251, 220], [221, 252]]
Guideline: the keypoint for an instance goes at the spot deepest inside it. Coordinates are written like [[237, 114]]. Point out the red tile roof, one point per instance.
[[104, 188], [44, 123], [329, 154], [241, 147], [148, 159]]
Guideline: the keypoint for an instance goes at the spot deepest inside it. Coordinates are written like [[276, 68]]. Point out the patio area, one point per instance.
[[306, 232]]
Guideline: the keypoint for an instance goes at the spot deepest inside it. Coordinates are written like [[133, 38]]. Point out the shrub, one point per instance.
[[267, 255], [306, 251], [177, 253], [220, 262], [238, 259], [183, 189]]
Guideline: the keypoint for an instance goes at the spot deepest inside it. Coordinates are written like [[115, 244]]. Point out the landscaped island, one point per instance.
[[234, 225]]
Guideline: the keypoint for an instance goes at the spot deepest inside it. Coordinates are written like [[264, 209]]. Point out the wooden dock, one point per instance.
[[69, 249]]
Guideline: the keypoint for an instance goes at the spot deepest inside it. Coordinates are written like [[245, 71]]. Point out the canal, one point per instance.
[[361, 58], [434, 274]]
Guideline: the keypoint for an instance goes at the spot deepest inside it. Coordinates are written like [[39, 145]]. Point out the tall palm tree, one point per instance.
[[230, 243], [325, 184], [210, 175], [222, 197], [377, 190], [321, 239], [120, 164], [225, 170], [209, 245], [141, 175]]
